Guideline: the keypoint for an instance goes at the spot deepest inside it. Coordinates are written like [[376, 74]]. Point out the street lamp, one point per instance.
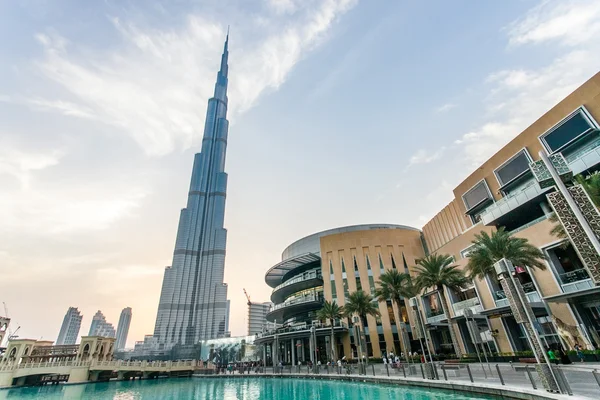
[[414, 303], [523, 314]]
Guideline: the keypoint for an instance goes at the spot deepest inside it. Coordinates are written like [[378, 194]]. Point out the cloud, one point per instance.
[[59, 210], [423, 156], [20, 163], [153, 85], [445, 107], [571, 22], [63, 107], [517, 97]]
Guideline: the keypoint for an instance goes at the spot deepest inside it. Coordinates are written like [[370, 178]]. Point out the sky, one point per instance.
[[342, 112]]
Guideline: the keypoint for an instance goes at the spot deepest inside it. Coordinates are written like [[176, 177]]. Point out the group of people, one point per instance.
[[240, 367], [557, 355]]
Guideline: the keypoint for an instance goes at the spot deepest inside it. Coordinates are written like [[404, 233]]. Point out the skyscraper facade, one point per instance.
[[193, 300], [257, 317], [100, 327], [123, 328], [69, 331]]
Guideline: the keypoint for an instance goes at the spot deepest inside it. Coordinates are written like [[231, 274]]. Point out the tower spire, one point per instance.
[[224, 58]]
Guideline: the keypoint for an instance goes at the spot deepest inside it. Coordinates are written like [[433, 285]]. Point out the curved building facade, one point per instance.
[[328, 266]]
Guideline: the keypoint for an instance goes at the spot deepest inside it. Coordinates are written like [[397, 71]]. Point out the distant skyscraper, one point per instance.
[[123, 328], [100, 327], [257, 321], [69, 331], [193, 300]]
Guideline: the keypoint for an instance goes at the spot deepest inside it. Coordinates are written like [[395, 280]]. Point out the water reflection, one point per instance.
[[230, 389]]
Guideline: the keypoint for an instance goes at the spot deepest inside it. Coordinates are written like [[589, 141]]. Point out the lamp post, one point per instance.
[[414, 302], [523, 314]]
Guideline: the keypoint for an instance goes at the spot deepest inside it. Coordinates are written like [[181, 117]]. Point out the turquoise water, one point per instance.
[[230, 389]]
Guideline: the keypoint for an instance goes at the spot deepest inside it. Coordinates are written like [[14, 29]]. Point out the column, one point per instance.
[[293, 352]]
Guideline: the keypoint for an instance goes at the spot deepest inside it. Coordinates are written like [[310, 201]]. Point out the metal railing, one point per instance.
[[304, 277], [514, 376], [298, 300], [574, 276], [302, 327]]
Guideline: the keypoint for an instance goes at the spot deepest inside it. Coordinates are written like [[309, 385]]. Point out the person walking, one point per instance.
[[579, 351], [552, 356]]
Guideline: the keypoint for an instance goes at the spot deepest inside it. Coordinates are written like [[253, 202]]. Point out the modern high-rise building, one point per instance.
[[100, 327], [257, 313], [193, 300], [123, 328], [69, 330]]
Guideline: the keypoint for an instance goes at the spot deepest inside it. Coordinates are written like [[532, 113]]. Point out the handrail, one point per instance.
[[311, 275]]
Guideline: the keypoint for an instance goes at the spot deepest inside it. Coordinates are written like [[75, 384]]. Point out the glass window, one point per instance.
[[345, 282], [333, 290], [477, 195], [371, 284], [343, 266], [565, 132], [393, 261], [368, 263], [513, 168], [358, 285], [381, 263], [355, 265], [330, 268]]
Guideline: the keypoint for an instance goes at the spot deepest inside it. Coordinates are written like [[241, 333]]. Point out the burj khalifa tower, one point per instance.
[[193, 301]]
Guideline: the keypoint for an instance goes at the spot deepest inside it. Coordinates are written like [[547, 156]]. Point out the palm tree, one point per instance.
[[437, 271], [591, 184], [489, 249], [330, 312], [396, 286], [361, 304]]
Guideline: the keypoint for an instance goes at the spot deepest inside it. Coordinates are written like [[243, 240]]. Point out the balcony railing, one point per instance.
[[511, 202], [461, 306], [434, 316], [574, 281], [302, 327], [574, 276], [530, 292], [584, 158], [298, 300], [300, 278]]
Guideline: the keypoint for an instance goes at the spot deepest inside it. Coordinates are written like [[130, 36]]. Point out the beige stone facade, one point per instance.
[[365, 255], [563, 296]]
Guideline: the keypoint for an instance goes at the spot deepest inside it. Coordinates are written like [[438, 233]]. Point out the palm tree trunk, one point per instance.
[[333, 355], [451, 324], [523, 313], [401, 327]]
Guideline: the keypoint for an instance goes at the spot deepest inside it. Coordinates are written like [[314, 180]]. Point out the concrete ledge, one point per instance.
[[501, 392]]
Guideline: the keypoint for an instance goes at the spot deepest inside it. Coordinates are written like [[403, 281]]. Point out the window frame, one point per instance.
[[487, 188], [579, 110], [514, 156]]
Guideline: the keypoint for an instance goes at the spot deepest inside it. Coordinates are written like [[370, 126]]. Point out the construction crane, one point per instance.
[[248, 297]]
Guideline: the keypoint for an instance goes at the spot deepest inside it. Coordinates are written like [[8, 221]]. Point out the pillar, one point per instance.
[[293, 352]]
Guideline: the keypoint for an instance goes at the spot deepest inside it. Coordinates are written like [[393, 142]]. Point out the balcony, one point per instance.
[[512, 202], [532, 295], [307, 280], [301, 330], [574, 281], [584, 160], [297, 305], [435, 316], [461, 306]]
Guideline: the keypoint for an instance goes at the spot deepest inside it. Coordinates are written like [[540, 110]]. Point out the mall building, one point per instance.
[[328, 266], [505, 191]]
